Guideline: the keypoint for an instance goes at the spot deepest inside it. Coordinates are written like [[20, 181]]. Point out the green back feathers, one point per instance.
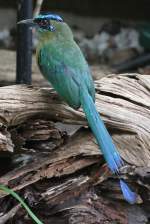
[[62, 63]]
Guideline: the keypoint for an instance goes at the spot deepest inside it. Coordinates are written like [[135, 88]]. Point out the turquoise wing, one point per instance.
[[66, 70]]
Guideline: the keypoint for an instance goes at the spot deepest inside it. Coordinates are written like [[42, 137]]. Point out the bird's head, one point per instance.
[[43, 21], [48, 24]]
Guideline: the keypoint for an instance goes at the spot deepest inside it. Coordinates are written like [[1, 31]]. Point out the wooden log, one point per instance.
[[66, 160], [120, 113], [123, 101], [65, 177]]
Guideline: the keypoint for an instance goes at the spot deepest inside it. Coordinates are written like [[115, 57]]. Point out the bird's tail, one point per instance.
[[105, 142]]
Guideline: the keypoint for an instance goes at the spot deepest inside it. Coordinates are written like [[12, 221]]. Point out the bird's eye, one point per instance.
[[43, 23]]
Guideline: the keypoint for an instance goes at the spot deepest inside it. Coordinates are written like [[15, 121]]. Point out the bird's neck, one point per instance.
[[60, 39], [62, 34]]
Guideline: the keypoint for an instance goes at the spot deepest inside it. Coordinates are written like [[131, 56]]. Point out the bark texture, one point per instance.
[[59, 169]]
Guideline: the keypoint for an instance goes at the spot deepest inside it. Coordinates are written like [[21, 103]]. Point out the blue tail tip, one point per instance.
[[129, 195]]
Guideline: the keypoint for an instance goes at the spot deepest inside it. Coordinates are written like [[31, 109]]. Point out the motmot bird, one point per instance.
[[62, 63]]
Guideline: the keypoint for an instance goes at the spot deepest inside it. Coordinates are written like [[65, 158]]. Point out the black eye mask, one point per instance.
[[44, 24]]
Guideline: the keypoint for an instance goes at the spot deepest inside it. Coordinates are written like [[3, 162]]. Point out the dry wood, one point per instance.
[[91, 209], [124, 104], [123, 101], [6, 144], [9, 215], [80, 152]]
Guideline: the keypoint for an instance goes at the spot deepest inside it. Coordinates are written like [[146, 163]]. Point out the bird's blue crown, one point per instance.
[[49, 16]]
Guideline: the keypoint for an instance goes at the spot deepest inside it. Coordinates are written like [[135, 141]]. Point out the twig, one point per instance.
[[10, 214], [37, 7]]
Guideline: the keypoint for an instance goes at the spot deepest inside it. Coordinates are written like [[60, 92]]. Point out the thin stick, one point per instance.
[[38, 7]]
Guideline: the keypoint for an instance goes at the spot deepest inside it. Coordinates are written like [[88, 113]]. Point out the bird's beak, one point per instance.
[[29, 22]]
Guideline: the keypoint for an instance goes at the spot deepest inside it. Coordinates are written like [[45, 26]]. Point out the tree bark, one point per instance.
[[123, 102]]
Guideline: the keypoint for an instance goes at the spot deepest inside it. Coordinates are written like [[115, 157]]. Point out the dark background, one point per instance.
[[129, 9]]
